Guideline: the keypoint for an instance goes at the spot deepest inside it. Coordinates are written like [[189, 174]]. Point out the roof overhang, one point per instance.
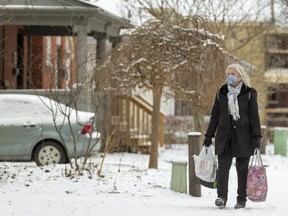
[[94, 18]]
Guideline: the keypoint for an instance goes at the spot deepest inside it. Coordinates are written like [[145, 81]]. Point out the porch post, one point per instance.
[[1, 59], [81, 54], [115, 41], [100, 45], [105, 107], [82, 89]]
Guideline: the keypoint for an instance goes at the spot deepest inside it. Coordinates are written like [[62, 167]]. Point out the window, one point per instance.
[[277, 51], [277, 42], [277, 61], [181, 109], [278, 96]]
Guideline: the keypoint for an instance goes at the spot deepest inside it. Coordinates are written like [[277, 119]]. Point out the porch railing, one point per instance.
[[133, 116]]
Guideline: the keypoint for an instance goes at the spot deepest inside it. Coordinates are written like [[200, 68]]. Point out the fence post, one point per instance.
[[193, 149], [264, 139]]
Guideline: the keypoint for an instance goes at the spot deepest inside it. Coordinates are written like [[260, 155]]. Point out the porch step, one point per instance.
[[140, 143], [144, 147]]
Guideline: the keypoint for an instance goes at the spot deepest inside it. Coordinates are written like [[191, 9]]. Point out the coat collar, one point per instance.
[[244, 89]]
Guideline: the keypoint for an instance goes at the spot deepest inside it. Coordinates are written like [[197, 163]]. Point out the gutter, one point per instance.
[[20, 10]]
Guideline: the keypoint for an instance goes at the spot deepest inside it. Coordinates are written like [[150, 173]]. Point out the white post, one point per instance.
[[81, 54]]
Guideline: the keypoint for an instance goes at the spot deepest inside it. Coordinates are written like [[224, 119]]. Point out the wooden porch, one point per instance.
[[132, 119]]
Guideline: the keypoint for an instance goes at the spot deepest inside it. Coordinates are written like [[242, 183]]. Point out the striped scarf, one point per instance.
[[233, 107]]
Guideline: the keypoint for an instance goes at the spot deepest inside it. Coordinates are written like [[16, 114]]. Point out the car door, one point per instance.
[[27, 136], [6, 140], [19, 129], [18, 141]]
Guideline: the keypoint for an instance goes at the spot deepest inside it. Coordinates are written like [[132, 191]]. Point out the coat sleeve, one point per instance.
[[214, 119], [254, 115]]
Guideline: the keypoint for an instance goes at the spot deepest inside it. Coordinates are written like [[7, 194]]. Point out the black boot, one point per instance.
[[220, 202], [240, 204]]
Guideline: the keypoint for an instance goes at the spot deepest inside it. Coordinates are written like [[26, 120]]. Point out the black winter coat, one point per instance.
[[239, 134]]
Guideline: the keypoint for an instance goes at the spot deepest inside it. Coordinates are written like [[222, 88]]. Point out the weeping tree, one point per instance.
[[226, 16], [170, 60]]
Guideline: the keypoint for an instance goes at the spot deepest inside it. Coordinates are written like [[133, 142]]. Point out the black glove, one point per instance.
[[257, 142], [207, 141]]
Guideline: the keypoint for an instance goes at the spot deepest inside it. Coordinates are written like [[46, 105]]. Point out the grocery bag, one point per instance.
[[206, 165], [257, 185]]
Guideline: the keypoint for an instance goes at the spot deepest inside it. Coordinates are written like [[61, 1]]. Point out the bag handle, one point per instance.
[[258, 158]]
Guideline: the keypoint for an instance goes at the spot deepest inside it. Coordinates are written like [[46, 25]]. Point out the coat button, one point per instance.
[[234, 126]]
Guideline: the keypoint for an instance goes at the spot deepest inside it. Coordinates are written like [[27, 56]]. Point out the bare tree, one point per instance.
[[66, 98], [167, 59], [243, 24], [226, 17], [282, 17]]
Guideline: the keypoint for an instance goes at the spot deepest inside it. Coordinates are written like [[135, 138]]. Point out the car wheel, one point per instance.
[[49, 152]]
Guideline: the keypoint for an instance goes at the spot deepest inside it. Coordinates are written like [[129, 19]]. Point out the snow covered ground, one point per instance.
[[128, 188]]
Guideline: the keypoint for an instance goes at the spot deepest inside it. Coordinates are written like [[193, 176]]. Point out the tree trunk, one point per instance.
[[105, 120], [198, 119], [153, 162]]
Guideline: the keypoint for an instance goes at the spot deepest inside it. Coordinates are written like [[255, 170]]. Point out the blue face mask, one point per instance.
[[231, 79]]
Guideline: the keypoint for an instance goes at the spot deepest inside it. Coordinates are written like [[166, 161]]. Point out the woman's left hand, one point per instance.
[[257, 142]]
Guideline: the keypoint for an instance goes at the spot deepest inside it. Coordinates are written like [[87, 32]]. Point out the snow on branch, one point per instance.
[[175, 66]]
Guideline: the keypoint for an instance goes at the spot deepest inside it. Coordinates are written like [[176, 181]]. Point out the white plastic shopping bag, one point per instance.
[[206, 165]]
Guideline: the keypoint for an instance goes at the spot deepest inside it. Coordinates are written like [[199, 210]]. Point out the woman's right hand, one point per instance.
[[207, 141]]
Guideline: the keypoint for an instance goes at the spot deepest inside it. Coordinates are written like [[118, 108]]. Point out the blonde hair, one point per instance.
[[244, 76]]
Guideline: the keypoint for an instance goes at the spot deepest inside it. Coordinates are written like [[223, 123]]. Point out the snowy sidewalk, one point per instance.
[[129, 188]]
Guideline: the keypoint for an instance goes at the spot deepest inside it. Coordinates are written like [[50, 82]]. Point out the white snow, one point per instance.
[[111, 7], [129, 188], [194, 134], [18, 109]]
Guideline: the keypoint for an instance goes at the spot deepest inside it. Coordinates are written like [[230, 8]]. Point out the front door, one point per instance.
[[19, 70]]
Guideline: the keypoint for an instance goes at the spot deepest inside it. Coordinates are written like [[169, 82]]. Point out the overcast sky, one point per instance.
[[109, 5]]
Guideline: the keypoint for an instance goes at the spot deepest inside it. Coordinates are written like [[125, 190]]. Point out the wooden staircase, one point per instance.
[[132, 116]]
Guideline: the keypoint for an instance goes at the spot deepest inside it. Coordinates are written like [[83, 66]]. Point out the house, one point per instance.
[[43, 42], [265, 46], [276, 77], [49, 45]]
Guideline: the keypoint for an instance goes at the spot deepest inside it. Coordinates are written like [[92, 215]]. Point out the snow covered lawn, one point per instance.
[[128, 188]]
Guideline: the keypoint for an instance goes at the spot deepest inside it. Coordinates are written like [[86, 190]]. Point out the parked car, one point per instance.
[[28, 130]]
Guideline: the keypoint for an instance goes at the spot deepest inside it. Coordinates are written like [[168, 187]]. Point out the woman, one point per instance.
[[235, 118]]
